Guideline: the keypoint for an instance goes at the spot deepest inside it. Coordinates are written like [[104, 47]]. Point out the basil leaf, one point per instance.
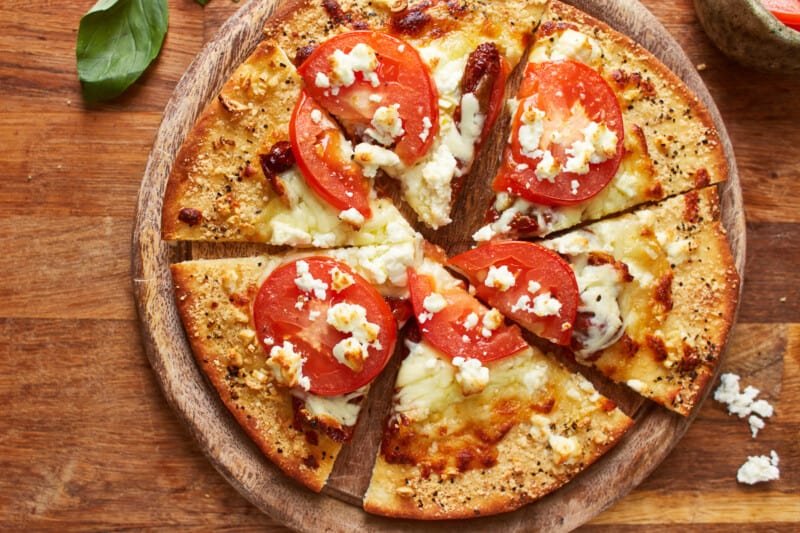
[[202, 2], [117, 40]]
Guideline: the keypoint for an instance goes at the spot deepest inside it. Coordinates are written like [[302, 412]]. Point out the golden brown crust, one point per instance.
[[526, 466], [680, 304], [213, 301]]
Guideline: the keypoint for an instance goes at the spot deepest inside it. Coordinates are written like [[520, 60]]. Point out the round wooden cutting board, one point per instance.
[[338, 507]]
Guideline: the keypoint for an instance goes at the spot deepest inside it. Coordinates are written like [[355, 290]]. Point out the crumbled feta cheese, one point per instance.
[[352, 318], [426, 128], [535, 378], [351, 353], [500, 278], [286, 366], [471, 321], [533, 286], [340, 280], [322, 81], [565, 447], [386, 125], [424, 317], [308, 283], [360, 59], [316, 115], [758, 469], [531, 130], [743, 404], [372, 157], [597, 145], [434, 303], [352, 216], [548, 168], [492, 320], [545, 305], [472, 375]]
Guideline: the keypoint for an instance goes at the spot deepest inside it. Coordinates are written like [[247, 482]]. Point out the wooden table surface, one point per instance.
[[88, 442]]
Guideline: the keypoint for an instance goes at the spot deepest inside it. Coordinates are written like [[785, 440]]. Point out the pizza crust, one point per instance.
[[527, 466], [679, 305]]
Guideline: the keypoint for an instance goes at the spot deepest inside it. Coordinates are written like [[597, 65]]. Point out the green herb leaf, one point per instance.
[[117, 40], [202, 2]]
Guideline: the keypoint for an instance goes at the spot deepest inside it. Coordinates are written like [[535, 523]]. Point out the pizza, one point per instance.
[[651, 297], [352, 130], [481, 422]]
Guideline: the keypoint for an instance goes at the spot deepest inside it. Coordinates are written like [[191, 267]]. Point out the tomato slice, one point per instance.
[[324, 157], [532, 267], [786, 11], [282, 311], [453, 331], [400, 78], [558, 103]]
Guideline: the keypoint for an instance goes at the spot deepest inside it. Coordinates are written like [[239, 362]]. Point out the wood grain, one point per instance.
[[655, 433], [87, 441]]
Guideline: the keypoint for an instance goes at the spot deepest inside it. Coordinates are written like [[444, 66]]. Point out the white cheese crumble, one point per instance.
[[352, 318], [531, 130], [426, 128], [471, 321], [344, 66], [340, 280], [492, 320], [759, 468], [471, 375], [386, 125], [286, 366], [542, 305], [500, 278], [372, 157], [434, 302], [308, 283], [352, 216], [316, 115], [597, 145], [744, 403]]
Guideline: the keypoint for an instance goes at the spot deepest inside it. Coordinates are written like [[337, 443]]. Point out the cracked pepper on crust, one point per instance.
[[671, 143], [678, 288], [451, 452]]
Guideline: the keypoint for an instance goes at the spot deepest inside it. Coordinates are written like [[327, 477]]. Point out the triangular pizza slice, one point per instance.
[[653, 300], [481, 422], [291, 342], [598, 126]]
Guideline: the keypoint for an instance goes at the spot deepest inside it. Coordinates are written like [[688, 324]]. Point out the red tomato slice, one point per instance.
[[496, 100], [318, 146], [554, 88], [402, 78], [787, 11], [279, 316], [446, 329], [528, 262]]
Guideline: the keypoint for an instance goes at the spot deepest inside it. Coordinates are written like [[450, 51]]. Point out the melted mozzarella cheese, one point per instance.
[[340, 408]]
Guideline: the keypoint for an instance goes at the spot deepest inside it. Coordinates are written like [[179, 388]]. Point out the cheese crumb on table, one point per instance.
[[758, 469], [743, 403]]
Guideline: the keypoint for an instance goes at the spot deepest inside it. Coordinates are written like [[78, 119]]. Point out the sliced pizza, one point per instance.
[[287, 153], [481, 422], [291, 342], [657, 294], [598, 126]]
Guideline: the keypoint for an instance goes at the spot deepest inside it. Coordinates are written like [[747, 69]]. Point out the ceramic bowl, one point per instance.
[[747, 32]]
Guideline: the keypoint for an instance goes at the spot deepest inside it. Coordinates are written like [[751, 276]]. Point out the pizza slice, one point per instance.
[[292, 341], [236, 177], [598, 126], [481, 422], [657, 294]]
